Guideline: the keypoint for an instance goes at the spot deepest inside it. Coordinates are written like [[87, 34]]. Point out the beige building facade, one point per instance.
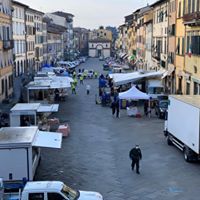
[[160, 33], [30, 40], [6, 54], [191, 19], [18, 22], [38, 21]]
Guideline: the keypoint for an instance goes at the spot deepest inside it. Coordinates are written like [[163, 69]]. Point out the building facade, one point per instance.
[[81, 36], [38, 21], [171, 78], [69, 51], [18, 19], [6, 53], [99, 43], [143, 38], [30, 40], [160, 33], [180, 49], [191, 19], [55, 42]]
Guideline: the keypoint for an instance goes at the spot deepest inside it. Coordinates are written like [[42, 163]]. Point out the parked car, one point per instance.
[[106, 67], [161, 108]]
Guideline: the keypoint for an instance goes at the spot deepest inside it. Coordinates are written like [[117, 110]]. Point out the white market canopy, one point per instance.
[[124, 78], [37, 107], [51, 82], [133, 94], [16, 136]]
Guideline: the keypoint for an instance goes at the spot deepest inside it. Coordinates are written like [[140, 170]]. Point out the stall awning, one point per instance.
[[125, 56], [48, 108], [122, 55], [48, 139], [124, 78]]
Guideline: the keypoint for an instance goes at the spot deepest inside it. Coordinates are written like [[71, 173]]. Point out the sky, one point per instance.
[[91, 13]]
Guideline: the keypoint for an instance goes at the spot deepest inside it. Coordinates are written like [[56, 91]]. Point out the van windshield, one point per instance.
[[69, 192], [155, 90]]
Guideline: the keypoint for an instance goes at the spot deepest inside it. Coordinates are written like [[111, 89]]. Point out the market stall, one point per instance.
[[124, 78], [133, 94], [43, 88], [28, 114]]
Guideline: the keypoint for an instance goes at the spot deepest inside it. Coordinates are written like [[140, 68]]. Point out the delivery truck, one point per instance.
[[20, 151], [182, 126], [47, 190]]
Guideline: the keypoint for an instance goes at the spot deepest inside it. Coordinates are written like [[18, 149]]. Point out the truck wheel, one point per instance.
[[186, 156], [169, 142]]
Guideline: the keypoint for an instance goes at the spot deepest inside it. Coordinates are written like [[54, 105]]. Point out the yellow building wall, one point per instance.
[[180, 60]]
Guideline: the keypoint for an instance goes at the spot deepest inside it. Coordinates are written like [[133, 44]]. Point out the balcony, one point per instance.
[[192, 19], [8, 44]]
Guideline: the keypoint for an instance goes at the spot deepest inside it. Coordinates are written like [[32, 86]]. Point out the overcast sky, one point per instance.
[[91, 13]]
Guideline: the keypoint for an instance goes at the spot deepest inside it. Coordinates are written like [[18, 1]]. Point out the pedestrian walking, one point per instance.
[[117, 108], [95, 74], [113, 107], [74, 74], [73, 87], [75, 81], [135, 155], [88, 87], [81, 80]]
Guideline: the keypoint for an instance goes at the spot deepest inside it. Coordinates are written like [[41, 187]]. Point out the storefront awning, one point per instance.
[[168, 72], [125, 56], [48, 139], [122, 55]]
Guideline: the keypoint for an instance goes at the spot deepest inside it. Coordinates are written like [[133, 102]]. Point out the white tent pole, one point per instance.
[[149, 108], [28, 95]]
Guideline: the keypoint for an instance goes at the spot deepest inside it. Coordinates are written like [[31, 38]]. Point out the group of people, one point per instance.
[[81, 78]]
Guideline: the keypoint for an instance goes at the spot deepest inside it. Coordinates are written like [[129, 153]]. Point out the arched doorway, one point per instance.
[[99, 51]]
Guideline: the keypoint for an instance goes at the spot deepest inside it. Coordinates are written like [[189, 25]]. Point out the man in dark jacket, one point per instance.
[[135, 155]]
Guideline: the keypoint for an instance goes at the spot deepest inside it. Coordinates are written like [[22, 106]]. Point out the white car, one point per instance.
[[90, 73]]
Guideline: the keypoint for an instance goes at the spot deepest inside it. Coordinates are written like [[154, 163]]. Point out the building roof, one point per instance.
[[36, 11], [54, 28], [16, 135], [20, 4], [63, 14], [144, 10], [158, 2]]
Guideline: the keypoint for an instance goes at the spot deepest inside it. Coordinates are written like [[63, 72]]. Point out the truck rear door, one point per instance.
[[14, 164]]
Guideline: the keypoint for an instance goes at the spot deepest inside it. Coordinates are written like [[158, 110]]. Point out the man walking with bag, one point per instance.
[[135, 155]]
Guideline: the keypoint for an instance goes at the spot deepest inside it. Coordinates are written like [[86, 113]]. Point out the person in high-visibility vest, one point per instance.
[[95, 74], [74, 74], [75, 81], [73, 88], [85, 74], [81, 79]]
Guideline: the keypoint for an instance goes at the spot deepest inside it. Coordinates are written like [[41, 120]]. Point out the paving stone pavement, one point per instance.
[[95, 155]]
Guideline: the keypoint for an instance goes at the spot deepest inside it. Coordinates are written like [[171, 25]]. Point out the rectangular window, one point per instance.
[[189, 6], [184, 7], [183, 46], [198, 5], [179, 10], [195, 88], [36, 196], [188, 44], [187, 88], [2, 86], [193, 6], [178, 47]]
